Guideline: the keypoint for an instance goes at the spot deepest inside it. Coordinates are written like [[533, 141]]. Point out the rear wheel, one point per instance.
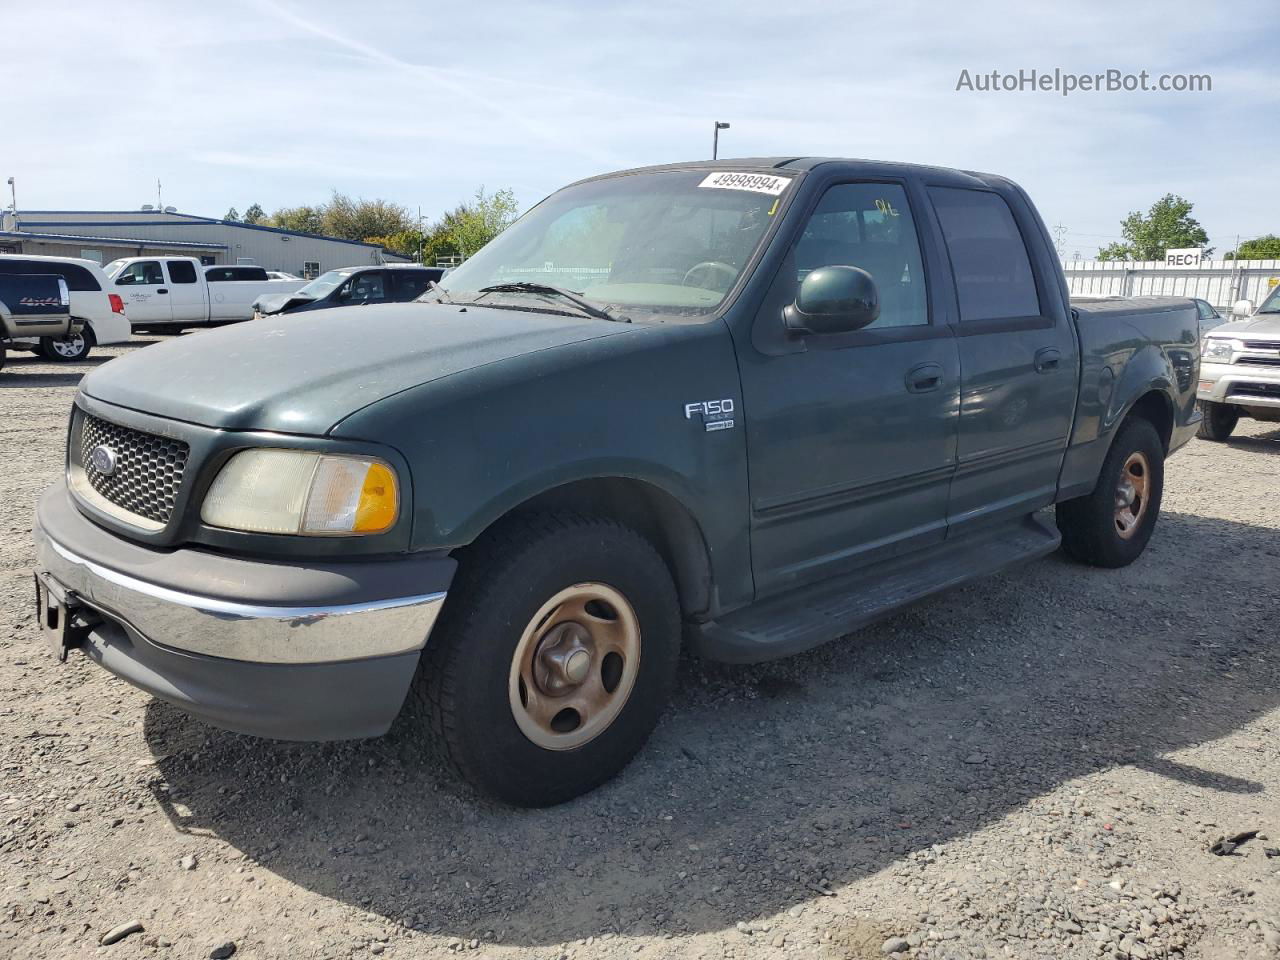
[[75, 346], [553, 658], [1110, 527], [1219, 421], [2, 356]]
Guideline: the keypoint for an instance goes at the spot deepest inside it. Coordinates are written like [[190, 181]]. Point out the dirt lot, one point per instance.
[[1032, 766]]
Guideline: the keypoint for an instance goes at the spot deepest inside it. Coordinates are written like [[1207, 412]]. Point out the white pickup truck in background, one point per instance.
[[176, 292]]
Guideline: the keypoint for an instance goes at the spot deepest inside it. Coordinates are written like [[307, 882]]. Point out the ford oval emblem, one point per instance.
[[103, 459]]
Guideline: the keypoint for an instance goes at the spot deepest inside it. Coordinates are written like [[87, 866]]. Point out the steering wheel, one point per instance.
[[709, 266]]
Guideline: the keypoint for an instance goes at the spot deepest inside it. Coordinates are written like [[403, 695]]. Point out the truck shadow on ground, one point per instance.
[[30, 370], [768, 785], [1266, 442]]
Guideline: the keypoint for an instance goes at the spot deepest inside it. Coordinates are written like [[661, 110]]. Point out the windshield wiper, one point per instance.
[[583, 304], [442, 295]]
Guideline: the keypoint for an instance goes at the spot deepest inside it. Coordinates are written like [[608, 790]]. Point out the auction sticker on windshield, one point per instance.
[[755, 182]]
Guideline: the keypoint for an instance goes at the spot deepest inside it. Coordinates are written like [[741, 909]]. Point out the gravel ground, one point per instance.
[[1031, 766]]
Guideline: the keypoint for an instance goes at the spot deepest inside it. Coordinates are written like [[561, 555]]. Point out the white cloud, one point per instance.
[[278, 102]]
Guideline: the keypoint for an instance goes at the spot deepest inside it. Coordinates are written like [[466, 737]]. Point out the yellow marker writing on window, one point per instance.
[[885, 207], [773, 209]]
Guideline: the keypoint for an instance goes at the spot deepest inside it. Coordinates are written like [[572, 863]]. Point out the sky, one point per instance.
[[280, 103]]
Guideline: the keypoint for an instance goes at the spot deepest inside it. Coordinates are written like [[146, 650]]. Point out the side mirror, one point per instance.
[[1242, 309], [836, 299]]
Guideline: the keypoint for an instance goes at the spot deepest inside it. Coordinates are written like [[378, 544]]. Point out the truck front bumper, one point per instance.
[[294, 651], [1253, 385]]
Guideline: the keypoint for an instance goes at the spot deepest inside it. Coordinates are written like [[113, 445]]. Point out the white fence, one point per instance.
[[1221, 282]]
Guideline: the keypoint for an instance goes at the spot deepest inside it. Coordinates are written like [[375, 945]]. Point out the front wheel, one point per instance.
[[1219, 420], [1110, 527], [553, 658], [74, 346]]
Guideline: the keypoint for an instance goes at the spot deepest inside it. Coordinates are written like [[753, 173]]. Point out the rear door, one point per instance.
[[145, 293], [1018, 356], [186, 292]]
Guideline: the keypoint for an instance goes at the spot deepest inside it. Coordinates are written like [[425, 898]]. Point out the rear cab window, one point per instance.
[[989, 259], [232, 274]]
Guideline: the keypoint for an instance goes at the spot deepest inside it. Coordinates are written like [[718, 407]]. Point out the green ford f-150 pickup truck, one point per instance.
[[747, 406]]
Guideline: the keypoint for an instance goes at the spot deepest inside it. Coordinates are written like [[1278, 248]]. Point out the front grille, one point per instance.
[[1261, 344], [1269, 390], [1260, 361], [148, 470]]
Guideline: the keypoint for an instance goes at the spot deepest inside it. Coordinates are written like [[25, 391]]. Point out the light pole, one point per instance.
[[13, 196], [715, 138]]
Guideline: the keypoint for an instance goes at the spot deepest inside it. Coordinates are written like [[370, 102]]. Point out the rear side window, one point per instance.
[[988, 255], [182, 271], [408, 284], [77, 277]]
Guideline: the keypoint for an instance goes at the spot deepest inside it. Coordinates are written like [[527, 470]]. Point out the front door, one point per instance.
[[1020, 361], [851, 438], [146, 295]]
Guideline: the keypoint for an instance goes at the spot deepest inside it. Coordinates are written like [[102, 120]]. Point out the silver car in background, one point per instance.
[[1240, 369]]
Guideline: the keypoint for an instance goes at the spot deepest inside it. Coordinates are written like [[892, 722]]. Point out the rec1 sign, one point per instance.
[[1184, 257]]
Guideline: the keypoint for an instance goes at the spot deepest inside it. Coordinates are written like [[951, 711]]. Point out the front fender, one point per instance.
[[484, 441]]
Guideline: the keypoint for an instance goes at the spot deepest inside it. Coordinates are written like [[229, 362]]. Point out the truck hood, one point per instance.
[[275, 302], [302, 373], [1264, 325]]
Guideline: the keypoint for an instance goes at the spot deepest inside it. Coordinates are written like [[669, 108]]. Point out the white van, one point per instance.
[[102, 311], [177, 292]]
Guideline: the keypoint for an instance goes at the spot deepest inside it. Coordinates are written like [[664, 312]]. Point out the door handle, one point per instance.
[[162, 290], [1048, 359], [925, 377]]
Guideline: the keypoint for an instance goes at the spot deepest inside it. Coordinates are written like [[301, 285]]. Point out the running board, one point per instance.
[[813, 615]]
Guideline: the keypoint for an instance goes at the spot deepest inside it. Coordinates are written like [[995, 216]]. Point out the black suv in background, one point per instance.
[[352, 286]]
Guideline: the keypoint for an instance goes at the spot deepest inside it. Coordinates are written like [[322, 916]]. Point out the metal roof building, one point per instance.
[[107, 235]]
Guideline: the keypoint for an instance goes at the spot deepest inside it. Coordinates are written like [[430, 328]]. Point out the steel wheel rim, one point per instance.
[[1132, 494], [575, 666], [70, 346]]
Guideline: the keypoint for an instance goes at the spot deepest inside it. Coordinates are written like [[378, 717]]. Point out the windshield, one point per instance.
[[1272, 303], [322, 285], [652, 245], [112, 268]]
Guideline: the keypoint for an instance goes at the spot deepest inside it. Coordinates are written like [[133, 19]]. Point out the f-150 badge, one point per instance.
[[716, 414]]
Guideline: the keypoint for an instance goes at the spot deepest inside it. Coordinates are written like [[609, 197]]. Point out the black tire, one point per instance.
[[2, 356], [1089, 525], [74, 348], [1219, 421], [503, 581]]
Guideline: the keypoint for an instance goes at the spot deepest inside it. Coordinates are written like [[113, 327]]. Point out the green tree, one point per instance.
[[1168, 224], [475, 223], [302, 219], [1259, 248], [357, 219], [233, 215], [255, 214]]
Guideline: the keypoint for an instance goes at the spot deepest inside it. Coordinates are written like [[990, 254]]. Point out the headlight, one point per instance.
[[1217, 349], [298, 492]]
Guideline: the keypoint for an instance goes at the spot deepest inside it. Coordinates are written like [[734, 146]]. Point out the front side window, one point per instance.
[[869, 226], [364, 288], [663, 245], [142, 272], [988, 255], [1272, 303]]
